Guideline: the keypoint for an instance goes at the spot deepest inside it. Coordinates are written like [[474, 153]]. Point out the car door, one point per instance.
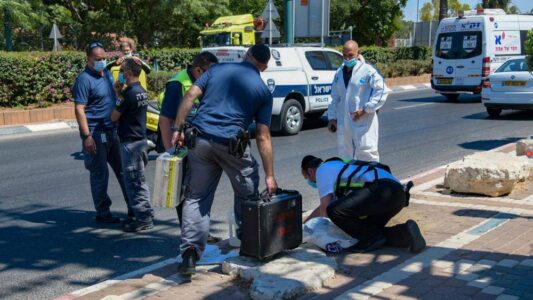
[[321, 67]]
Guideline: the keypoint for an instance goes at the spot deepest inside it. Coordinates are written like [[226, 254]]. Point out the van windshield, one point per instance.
[[459, 45], [217, 39]]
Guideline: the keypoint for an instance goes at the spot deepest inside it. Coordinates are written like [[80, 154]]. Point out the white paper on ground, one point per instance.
[[321, 232]]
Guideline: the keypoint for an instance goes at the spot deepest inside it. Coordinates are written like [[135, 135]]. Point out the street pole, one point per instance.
[[289, 21], [270, 23], [414, 25], [322, 27]]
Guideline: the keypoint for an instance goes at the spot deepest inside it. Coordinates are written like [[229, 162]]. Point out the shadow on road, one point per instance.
[[441, 99], [488, 144], [41, 239], [506, 115]]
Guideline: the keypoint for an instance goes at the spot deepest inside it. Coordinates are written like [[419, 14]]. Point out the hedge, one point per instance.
[[42, 78]]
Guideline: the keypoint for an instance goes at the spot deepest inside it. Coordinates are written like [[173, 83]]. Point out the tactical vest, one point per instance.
[[342, 186], [186, 83]]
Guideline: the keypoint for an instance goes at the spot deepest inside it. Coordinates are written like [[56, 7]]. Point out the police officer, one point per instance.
[[175, 88], [232, 97], [360, 198], [94, 102], [130, 114]]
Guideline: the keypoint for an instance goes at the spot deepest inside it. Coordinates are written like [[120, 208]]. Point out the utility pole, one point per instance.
[[7, 29]]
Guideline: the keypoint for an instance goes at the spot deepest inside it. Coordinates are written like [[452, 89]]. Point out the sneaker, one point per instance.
[[137, 225], [108, 219], [128, 220], [188, 263], [418, 243], [368, 246]]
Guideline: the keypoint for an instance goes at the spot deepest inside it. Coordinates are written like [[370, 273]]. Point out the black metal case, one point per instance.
[[272, 224]]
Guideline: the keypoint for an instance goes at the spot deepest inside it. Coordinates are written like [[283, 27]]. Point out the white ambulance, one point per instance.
[[473, 45], [299, 79]]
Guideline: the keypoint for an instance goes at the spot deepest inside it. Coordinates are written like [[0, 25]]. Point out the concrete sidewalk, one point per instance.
[[478, 248]]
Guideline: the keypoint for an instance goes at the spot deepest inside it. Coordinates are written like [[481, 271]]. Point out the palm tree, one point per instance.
[[443, 9]]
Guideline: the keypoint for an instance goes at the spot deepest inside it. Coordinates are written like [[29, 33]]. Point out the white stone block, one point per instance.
[[487, 173]]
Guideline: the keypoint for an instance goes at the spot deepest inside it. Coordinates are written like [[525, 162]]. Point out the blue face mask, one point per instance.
[[100, 65], [121, 78], [311, 184], [350, 63]]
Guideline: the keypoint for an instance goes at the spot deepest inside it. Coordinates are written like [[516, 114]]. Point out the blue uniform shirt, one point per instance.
[[234, 95], [97, 94], [172, 99]]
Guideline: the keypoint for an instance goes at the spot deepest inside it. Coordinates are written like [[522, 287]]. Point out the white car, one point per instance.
[[299, 79], [510, 87]]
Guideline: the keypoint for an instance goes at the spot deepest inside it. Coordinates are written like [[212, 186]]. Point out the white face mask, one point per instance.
[[100, 65], [129, 54]]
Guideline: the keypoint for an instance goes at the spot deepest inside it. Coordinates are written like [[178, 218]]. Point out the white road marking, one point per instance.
[[414, 105]]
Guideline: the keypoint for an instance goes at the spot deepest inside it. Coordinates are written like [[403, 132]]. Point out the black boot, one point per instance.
[[188, 264], [418, 243]]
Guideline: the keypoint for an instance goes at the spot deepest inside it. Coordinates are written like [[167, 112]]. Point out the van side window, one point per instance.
[[459, 45], [317, 60]]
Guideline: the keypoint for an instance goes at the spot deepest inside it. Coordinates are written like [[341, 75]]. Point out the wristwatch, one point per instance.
[[85, 136], [179, 129]]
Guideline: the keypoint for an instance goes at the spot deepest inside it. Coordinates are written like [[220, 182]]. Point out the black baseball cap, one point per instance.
[[261, 53]]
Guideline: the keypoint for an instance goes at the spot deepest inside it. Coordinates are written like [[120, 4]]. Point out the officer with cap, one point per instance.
[[232, 97]]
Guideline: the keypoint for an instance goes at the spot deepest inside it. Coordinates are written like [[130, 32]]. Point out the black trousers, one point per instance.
[[364, 212]]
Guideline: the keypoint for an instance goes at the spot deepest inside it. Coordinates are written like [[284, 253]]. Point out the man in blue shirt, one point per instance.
[[360, 198], [232, 97], [94, 102]]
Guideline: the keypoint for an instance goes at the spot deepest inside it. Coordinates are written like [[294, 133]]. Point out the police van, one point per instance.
[[473, 45], [299, 79]]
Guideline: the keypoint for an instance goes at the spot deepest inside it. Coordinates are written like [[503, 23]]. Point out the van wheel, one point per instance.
[[494, 112], [451, 97], [292, 117]]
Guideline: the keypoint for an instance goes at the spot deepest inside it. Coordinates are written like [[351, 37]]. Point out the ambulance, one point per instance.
[[473, 45], [299, 78]]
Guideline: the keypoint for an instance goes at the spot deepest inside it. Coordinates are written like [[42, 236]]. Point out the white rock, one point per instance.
[[487, 173], [522, 145], [288, 277]]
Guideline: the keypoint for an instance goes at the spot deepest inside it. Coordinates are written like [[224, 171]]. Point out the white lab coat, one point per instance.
[[366, 90]]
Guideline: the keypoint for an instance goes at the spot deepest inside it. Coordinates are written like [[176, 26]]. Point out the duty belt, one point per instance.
[[213, 138]]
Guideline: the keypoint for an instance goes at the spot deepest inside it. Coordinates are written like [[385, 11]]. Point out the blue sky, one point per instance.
[[410, 9]]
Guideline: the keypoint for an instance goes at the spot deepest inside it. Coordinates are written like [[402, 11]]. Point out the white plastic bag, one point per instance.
[[326, 235]]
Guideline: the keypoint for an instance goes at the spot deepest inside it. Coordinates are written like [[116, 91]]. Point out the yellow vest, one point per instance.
[[186, 83]]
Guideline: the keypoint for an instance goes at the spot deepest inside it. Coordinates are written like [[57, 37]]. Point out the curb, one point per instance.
[[47, 127], [31, 128], [410, 87]]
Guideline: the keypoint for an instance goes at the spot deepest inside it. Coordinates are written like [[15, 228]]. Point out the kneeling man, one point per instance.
[[360, 198]]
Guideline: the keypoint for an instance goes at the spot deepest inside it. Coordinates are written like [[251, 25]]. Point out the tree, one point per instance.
[[529, 49], [443, 9], [430, 10]]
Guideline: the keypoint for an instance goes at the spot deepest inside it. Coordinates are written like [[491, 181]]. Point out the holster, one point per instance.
[[190, 132], [237, 145]]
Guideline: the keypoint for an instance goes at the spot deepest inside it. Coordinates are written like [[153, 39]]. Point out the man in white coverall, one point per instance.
[[358, 91]]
